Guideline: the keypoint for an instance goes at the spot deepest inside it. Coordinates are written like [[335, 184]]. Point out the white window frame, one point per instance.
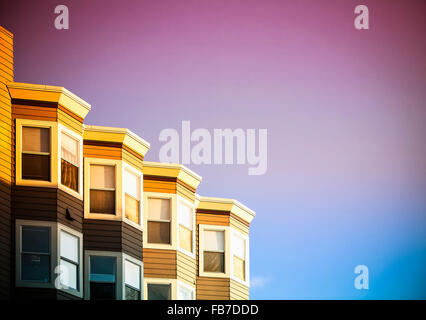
[[235, 233], [137, 172], [53, 126], [55, 256], [226, 230], [79, 138], [181, 284], [118, 189], [140, 264], [173, 220], [121, 257]]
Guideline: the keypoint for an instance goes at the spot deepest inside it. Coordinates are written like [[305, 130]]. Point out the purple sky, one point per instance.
[[345, 112]]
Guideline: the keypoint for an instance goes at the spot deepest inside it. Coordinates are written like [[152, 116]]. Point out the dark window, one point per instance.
[[36, 153], [102, 189], [132, 293], [158, 232], [102, 278], [159, 291], [35, 254]]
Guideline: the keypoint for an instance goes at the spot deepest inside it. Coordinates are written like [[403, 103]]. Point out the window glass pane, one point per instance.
[[102, 201], [102, 291], [159, 209], [69, 246], [214, 262], [36, 167], [35, 139], [185, 294], [69, 149], [35, 267], [69, 175], [214, 240], [185, 215], [239, 268], [35, 239], [158, 232], [131, 209], [102, 269], [132, 294], [102, 177], [132, 274], [185, 238], [131, 184], [238, 245], [69, 274], [159, 291]]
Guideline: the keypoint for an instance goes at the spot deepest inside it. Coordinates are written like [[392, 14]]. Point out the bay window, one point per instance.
[[47, 251], [36, 153], [185, 292], [159, 219], [102, 189]]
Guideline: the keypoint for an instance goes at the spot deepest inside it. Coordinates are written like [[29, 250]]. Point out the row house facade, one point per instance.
[[84, 216]]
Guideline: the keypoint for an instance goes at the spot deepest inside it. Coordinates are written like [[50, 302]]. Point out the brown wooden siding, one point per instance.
[[42, 294], [157, 184], [6, 75], [186, 268], [160, 263], [213, 288], [47, 204], [107, 151], [106, 235]]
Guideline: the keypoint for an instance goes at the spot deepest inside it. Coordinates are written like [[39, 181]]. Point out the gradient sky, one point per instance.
[[345, 112]]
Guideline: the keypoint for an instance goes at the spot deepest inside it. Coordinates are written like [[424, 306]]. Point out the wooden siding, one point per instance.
[[6, 75], [47, 204], [69, 120], [160, 263], [186, 268], [213, 288], [132, 158], [168, 185], [161, 185], [42, 294], [107, 235], [239, 225], [103, 151], [238, 291]]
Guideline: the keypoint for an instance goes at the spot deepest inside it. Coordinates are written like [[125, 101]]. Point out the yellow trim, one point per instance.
[[55, 94], [118, 135], [53, 126], [222, 204], [172, 170]]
